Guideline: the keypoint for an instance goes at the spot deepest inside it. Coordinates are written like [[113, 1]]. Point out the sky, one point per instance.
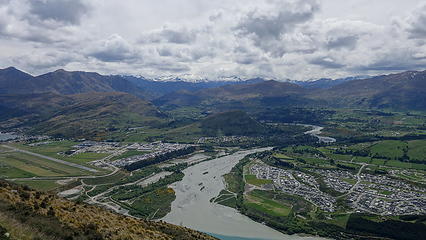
[[275, 39]]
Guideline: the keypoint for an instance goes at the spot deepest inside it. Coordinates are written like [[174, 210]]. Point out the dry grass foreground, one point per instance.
[[39, 215]]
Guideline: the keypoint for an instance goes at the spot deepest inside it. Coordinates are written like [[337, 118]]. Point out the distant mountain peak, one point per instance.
[[61, 81], [325, 83], [195, 78], [11, 75], [11, 68], [192, 78]]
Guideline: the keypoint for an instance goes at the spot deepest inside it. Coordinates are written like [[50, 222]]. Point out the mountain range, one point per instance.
[[14, 81], [324, 83], [238, 96], [401, 91], [82, 104], [157, 88]]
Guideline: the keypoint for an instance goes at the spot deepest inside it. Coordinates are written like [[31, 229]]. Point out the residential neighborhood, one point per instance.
[[367, 193], [297, 183]]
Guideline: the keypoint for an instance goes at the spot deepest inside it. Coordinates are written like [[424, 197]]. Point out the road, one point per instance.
[[358, 177], [81, 178], [51, 158], [111, 205]]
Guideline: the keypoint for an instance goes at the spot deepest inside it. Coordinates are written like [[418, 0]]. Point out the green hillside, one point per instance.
[[401, 91], [231, 123], [87, 115]]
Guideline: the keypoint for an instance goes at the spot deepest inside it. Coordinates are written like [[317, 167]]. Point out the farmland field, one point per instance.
[[18, 165], [259, 201], [417, 150], [388, 149], [55, 148], [251, 179]]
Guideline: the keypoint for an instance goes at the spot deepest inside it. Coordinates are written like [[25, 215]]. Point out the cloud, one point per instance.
[[417, 23], [337, 34], [170, 35], [245, 55], [342, 42], [267, 26], [51, 60], [281, 18], [246, 59], [185, 53], [175, 68], [326, 62], [65, 11], [114, 49], [400, 59], [50, 22], [280, 39]]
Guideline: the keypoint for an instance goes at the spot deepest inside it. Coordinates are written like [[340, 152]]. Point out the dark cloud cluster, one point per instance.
[[417, 23], [66, 11], [282, 18], [169, 35], [342, 42], [42, 21], [114, 49], [397, 60], [267, 28]]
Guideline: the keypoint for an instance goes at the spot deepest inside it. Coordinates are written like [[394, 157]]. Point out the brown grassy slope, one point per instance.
[[14, 81], [406, 90], [81, 115], [94, 113], [81, 219]]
